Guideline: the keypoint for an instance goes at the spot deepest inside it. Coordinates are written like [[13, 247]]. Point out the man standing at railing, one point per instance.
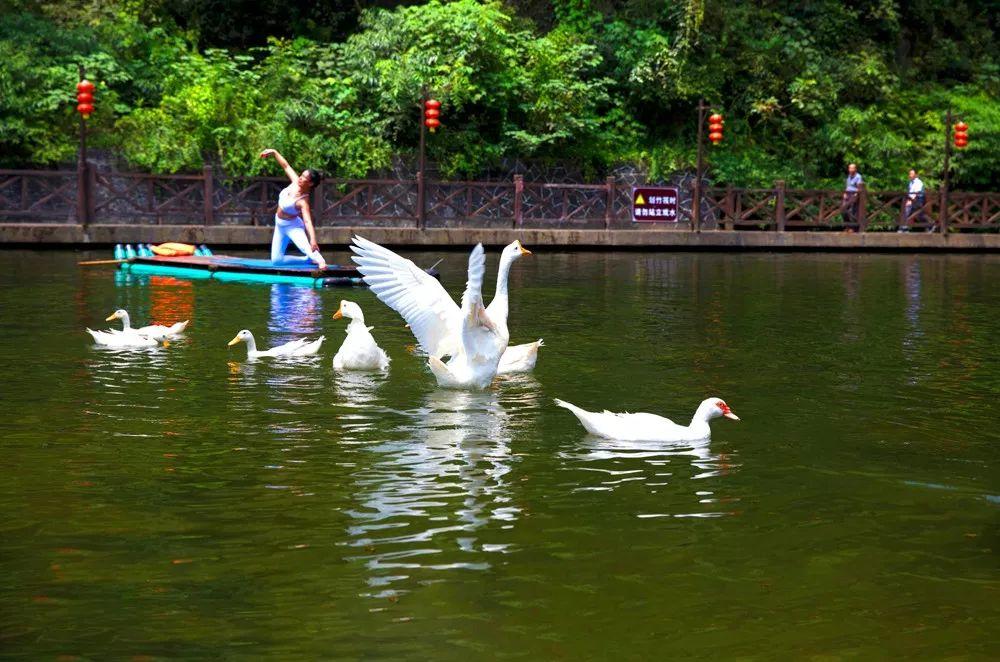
[[916, 198], [849, 203]]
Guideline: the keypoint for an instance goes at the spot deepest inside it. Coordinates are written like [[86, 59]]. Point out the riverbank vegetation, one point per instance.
[[804, 88]]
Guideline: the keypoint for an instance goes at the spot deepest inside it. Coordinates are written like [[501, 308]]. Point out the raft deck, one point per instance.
[[231, 268]]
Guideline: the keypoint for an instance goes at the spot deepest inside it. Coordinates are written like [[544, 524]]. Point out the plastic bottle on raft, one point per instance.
[[129, 251], [119, 252]]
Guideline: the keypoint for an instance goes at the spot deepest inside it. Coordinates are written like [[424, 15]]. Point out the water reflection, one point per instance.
[[358, 392], [679, 471], [426, 499], [295, 311], [127, 388]]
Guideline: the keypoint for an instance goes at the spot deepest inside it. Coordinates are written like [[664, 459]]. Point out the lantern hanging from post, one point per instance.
[[85, 98], [961, 135], [432, 114], [715, 124]]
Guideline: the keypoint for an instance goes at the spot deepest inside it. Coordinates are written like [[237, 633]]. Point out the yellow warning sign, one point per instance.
[[639, 200]]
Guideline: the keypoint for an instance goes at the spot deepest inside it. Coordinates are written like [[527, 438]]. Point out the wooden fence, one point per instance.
[[52, 196]]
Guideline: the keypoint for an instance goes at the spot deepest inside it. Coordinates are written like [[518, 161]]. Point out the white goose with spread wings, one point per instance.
[[468, 335], [445, 338]]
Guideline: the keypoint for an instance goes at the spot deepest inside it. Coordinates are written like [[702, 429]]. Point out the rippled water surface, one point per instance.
[[184, 502]]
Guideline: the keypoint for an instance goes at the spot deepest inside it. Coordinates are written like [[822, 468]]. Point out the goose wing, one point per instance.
[[413, 293], [478, 329]]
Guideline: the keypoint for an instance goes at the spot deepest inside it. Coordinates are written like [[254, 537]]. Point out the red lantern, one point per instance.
[[85, 98], [715, 124], [432, 113], [961, 137]]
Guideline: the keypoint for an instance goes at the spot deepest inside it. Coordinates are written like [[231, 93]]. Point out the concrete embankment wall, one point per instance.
[[51, 234]]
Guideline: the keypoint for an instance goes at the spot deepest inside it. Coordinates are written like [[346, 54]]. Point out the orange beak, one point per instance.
[[337, 315]]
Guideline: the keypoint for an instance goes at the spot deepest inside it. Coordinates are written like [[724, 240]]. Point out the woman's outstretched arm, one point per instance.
[[289, 170]]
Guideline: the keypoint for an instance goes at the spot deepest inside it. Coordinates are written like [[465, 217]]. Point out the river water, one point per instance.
[[184, 502]]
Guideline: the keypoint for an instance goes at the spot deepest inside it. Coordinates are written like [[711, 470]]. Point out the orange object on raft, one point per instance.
[[173, 249]]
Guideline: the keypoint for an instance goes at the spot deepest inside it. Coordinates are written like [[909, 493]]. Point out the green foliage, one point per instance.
[[805, 88]]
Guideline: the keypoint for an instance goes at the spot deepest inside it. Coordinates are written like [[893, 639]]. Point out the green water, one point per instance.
[[182, 502]]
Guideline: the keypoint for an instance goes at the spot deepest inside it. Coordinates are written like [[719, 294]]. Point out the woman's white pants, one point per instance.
[[292, 231]]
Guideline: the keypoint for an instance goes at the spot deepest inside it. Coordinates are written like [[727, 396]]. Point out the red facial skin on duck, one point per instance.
[[726, 411]]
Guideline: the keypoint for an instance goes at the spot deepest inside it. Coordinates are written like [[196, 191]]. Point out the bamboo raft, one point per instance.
[[241, 269]]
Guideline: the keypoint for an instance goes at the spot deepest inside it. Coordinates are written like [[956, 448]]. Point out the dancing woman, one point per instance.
[[293, 219]]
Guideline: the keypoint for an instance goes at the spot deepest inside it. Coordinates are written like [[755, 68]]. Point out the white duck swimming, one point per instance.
[[650, 427], [359, 351], [519, 358], [434, 317], [155, 331], [299, 347], [119, 339]]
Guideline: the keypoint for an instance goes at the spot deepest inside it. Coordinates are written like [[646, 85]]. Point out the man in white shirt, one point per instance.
[[916, 198]]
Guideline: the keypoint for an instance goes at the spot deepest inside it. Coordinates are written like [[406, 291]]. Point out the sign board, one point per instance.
[[654, 204]]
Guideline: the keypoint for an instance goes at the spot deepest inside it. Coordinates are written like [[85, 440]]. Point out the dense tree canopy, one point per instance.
[[805, 87]]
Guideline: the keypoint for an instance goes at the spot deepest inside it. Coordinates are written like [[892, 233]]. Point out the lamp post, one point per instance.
[[84, 106], [430, 114], [715, 127]]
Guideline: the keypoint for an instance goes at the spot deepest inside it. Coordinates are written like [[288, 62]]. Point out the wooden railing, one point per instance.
[[54, 196]]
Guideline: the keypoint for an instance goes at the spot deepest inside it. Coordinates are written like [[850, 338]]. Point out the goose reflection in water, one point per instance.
[[427, 499]]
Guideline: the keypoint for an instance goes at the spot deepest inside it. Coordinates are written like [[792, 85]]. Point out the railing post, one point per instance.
[[609, 208], [261, 213], [779, 204], [91, 189], [318, 198], [209, 194], [81, 193], [421, 207], [862, 207], [943, 212], [518, 194], [730, 207]]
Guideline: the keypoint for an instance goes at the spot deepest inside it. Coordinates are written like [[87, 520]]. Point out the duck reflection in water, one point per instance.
[[426, 499]]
